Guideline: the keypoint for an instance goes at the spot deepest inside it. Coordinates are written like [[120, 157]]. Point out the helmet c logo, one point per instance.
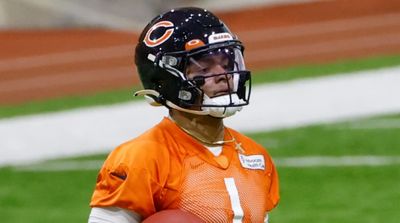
[[168, 33]]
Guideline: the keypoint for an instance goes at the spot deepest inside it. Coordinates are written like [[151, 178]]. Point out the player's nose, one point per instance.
[[218, 69]]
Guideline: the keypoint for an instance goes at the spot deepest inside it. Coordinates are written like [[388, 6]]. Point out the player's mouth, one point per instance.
[[221, 93]]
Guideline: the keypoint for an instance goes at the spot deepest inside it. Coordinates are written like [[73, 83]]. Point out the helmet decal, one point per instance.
[[168, 33], [194, 43], [219, 37]]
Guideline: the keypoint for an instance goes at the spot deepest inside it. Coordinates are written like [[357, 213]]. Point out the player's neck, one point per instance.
[[206, 129]]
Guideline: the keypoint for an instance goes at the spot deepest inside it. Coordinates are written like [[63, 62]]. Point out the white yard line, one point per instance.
[[273, 106], [321, 100], [61, 166], [337, 161], [297, 162], [389, 123]]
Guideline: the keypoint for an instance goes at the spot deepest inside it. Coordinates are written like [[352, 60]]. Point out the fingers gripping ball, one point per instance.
[[173, 216]]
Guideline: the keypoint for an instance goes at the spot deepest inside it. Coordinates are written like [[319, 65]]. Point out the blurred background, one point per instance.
[[325, 101]]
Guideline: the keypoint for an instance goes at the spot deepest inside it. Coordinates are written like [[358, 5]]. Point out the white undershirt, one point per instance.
[[215, 150], [113, 215]]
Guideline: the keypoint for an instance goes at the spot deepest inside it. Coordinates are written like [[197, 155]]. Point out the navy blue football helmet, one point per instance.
[[180, 39]]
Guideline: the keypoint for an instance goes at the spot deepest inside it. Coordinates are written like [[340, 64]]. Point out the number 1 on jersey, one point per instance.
[[235, 201]]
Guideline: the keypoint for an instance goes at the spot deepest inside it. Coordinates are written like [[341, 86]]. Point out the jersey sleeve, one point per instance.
[[131, 178], [274, 187]]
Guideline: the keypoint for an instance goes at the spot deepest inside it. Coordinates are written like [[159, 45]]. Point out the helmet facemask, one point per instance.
[[209, 80], [219, 75]]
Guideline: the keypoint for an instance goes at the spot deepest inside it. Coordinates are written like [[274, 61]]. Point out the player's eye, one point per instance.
[[226, 67], [201, 70], [199, 81], [204, 70]]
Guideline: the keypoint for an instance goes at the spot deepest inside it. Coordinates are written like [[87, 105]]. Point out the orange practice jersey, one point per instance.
[[165, 168]]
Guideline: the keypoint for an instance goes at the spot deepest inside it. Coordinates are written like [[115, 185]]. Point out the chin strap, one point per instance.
[[215, 106], [218, 112], [147, 93]]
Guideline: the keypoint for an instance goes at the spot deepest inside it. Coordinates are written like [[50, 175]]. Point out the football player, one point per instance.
[[190, 62]]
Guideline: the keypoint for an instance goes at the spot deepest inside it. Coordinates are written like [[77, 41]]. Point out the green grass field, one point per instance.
[[313, 194], [338, 193], [353, 194]]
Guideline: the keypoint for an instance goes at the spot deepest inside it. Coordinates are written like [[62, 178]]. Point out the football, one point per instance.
[[173, 216]]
